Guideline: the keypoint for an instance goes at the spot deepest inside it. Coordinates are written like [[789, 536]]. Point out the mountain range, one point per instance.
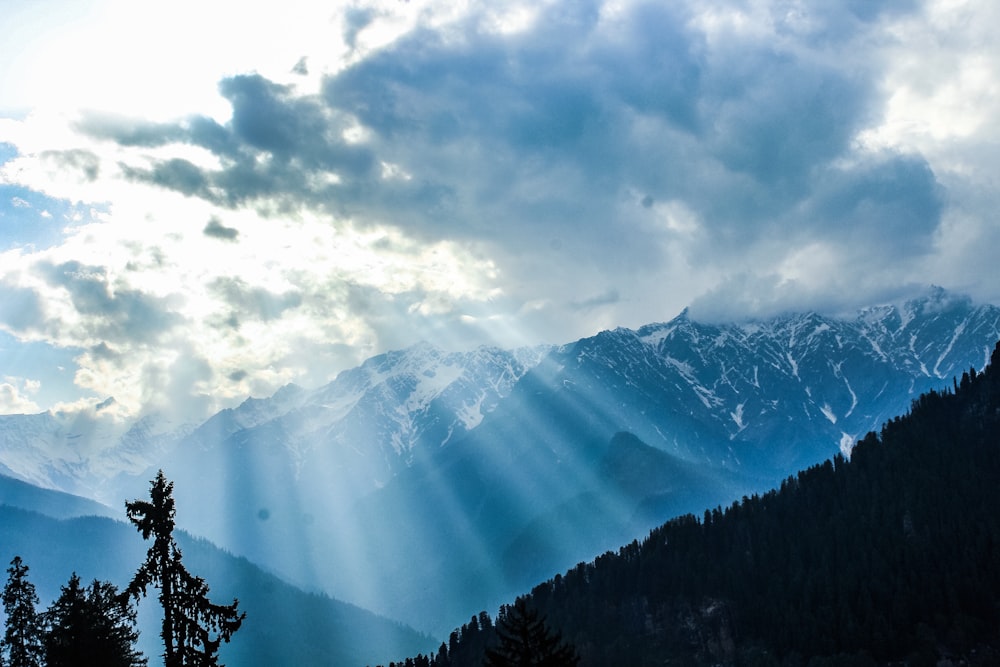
[[426, 484], [887, 558]]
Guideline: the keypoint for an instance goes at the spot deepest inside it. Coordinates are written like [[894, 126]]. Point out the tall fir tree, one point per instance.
[[22, 641], [524, 640], [189, 618], [91, 627]]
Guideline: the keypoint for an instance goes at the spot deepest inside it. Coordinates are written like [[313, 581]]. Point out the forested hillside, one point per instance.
[[893, 555]]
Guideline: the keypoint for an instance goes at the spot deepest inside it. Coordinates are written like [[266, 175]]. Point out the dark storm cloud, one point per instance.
[[266, 118], [110, 313], [774, 117], [217, 230], [555, 126], [895, 204], [655, 65], [209, 134], [271, 118], [301, 136], [253, 302]]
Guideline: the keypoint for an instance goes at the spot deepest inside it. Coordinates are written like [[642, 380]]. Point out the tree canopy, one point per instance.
[[193, 627], [22, 641], [91, 626], [523, 640]]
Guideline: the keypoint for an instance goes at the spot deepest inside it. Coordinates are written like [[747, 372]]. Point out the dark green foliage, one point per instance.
[[189, 618], [22, 641], [91, 627], [523, 640], [892, 556]]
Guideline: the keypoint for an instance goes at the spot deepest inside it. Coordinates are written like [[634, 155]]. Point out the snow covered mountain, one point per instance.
[[80, 451], [770, 397], [371, 421], [714, 411], [416, 396], [427, 485]]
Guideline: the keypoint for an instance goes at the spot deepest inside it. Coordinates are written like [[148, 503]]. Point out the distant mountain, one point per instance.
[[425, 484], [382, 412], [284, 625], [890, 557], [81, 452], [15, 493]]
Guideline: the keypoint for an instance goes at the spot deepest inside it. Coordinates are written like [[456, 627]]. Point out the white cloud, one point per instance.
[[15, 395]]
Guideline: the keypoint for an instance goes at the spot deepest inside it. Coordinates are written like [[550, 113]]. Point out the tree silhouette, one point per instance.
[[22, 641], [189, 618], [91, 627], [525, 641]]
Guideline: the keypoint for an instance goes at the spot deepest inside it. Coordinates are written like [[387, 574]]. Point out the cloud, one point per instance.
[[605, 299], [356, 19], [518, 172], [496, 134], [894, 203], [175, 174], [216, 229], [755, 296], [21, 310], [15, 396], [77, 159], [109, 312], [128, 131], [103, 351], [246, 301]]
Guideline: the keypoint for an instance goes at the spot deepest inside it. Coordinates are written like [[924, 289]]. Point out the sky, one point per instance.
[[200, 202]]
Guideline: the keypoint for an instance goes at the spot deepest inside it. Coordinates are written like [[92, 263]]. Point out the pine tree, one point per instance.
[[91, 627], [189, 618], [22, 641], [525, 641]]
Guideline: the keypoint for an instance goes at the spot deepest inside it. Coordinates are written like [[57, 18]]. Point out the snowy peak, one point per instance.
[[785, 391], [78, 452], [253, 412], [358, 431]]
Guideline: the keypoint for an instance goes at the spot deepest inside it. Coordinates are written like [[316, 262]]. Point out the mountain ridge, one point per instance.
[[426, 462]]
